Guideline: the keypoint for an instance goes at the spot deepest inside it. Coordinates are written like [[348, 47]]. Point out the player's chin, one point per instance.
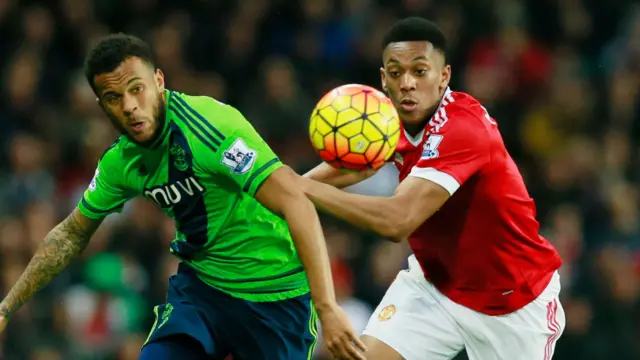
[[141, 137], [412, 117]]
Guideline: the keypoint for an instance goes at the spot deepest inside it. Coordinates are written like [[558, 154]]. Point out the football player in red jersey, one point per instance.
[[481, 277]]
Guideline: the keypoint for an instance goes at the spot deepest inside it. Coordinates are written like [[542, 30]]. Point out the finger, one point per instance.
[[356, 340], [351, 349], [335, 346], [345, 349], [353, 352]]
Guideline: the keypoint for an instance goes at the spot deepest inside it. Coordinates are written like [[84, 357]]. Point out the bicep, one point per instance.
[[279, 189], [416, 200]]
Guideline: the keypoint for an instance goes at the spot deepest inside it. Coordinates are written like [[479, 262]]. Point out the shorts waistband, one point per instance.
[[184, 268]]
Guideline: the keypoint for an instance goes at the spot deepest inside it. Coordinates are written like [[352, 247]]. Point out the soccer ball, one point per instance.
[[354, 127]]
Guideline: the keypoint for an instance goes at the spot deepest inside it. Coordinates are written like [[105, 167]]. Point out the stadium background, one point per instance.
[[562, 77]]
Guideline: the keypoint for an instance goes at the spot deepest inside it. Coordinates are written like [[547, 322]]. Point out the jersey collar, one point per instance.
[[416, 140]]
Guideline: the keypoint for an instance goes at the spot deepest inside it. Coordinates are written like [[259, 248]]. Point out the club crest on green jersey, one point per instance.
[[179, 162], [239, 157]]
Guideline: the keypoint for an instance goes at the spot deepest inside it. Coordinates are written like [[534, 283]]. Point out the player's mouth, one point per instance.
[[137, 126], [408, 105]]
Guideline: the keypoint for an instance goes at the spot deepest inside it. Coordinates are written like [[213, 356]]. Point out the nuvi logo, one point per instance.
[[171, 194]]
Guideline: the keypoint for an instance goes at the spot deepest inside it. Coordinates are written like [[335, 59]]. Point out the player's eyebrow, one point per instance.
[[133, 79], [417, 58], [109, 91]]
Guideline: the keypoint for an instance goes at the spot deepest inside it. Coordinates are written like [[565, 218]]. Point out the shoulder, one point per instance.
[[460, 124], [114, 161], [460, 113], [118, 157], [201, 110], [114, 154], [196, 102]]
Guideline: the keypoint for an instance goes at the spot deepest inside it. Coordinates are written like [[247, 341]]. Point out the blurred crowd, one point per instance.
[[562, 78]]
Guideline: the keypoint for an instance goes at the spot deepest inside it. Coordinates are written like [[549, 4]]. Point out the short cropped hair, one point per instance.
[[111, 51], [416, 29]]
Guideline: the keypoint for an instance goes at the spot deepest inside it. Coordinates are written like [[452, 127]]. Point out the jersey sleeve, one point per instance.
[[450, 158], [242, 155], [103, 196]]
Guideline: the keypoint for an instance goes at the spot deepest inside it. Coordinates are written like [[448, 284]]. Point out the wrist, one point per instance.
[[324, 306]]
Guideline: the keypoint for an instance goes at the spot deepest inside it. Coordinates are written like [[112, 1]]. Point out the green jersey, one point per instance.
[[203, 171]]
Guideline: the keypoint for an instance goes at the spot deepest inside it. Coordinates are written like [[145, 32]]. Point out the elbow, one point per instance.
[[295, 203], [396, 235], [394, 227], [401, 219]]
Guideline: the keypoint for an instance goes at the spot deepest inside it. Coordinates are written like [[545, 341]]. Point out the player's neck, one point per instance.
[[415, 129]]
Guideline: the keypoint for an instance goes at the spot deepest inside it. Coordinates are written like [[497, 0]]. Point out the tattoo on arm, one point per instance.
[[61, 245]]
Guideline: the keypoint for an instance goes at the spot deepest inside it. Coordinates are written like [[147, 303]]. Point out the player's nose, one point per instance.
[[407, 82], [129, 105]]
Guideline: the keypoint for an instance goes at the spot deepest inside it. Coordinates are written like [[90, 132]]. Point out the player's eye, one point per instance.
[[111, 98], [137, 89], [394, 73], [421, 72]]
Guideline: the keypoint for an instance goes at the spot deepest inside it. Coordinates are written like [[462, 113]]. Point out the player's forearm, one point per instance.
[[327, 174], [61, 245], [371, 213], [306, 231]]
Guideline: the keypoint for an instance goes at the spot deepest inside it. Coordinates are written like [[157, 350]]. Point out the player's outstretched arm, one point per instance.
[[395, 217], [279, 194], [461, 153], [327, 174], [61, 245]]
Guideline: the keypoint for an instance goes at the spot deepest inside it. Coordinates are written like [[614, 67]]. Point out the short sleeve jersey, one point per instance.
[[204, 171], [482, 248]]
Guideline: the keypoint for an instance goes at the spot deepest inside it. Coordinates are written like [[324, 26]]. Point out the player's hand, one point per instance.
[[339, 336], [339, 178]]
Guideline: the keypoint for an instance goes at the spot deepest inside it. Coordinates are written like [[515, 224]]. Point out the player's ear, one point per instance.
[[159, 77], [383, 81], [96, 92], [100, 103], [445, 77]]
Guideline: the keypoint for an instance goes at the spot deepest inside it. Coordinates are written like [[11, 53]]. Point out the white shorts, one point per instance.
[[420, 323]]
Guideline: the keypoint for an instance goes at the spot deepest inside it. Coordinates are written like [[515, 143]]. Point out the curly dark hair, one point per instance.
[[416, 29], [111, 51]]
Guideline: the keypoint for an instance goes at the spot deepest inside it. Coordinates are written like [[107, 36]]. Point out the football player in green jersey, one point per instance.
[[254, 274]]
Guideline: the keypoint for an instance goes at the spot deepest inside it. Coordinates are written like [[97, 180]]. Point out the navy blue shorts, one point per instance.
[[223, 324]]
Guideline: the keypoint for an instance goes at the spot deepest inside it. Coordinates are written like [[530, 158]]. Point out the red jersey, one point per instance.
[[482, 248]]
